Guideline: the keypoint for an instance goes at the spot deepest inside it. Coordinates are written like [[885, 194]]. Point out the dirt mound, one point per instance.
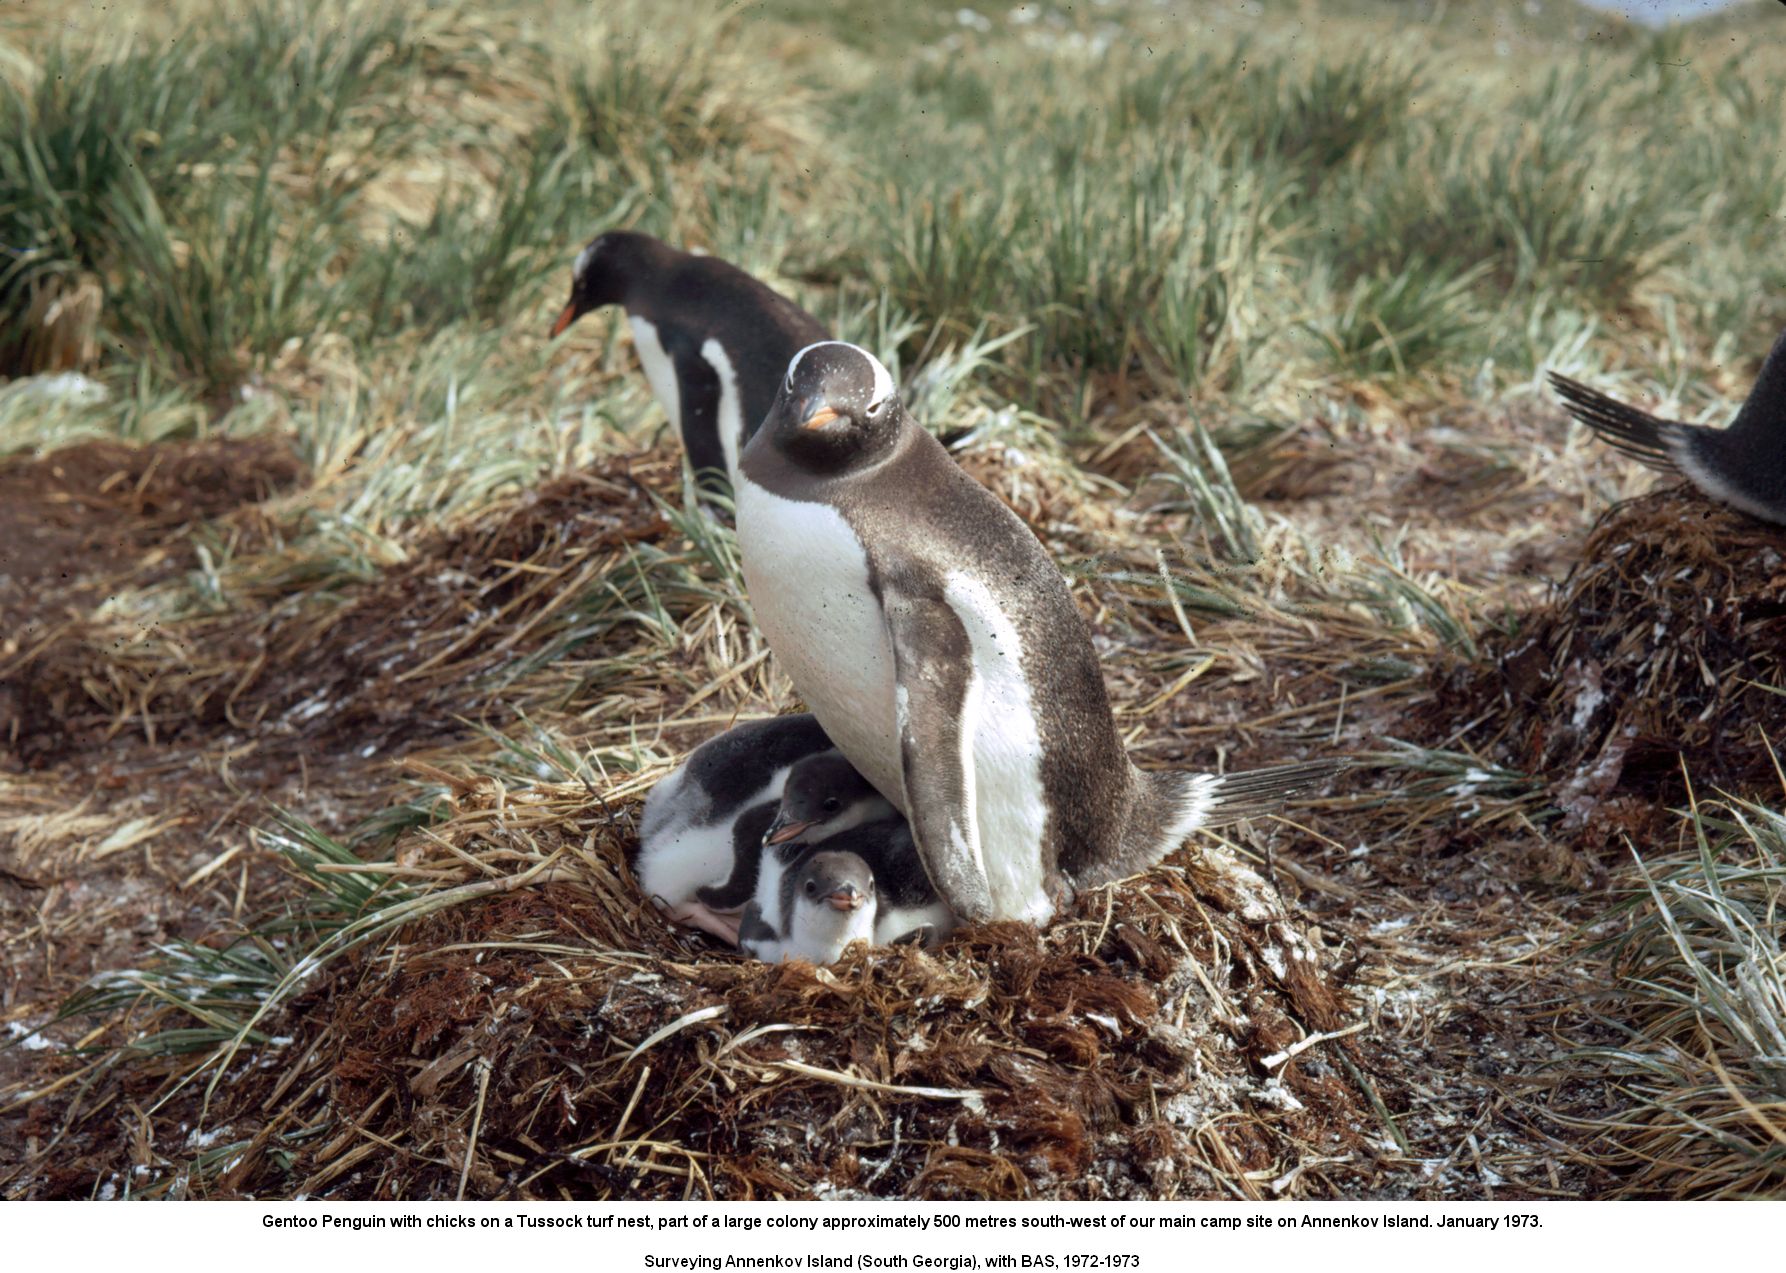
[[1664, 643], [1133, 1050], [88, 511], [389, 660]]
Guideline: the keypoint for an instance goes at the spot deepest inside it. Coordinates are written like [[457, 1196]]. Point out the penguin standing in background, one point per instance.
[[939, 646], [714, 341], [715, 809], [1743, 465]]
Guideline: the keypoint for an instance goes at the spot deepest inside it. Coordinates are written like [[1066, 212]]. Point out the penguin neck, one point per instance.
[[1766, 403], [792, 470]]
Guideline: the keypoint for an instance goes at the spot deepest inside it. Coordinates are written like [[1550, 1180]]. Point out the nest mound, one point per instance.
[[545, 1034], [1662, 645], [387, 662]]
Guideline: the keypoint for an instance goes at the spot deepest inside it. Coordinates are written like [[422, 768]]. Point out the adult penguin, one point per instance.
[[713, 341], [1743, 465], [940, 649]]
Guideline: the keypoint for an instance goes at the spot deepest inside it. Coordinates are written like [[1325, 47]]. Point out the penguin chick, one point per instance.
[[827, 900], [713, 811], [1743, 465], [822, 796]]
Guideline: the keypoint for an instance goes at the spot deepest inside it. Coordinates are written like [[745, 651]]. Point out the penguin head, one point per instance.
[[840, 881], [837, 408], [824, 795], [602, 274]]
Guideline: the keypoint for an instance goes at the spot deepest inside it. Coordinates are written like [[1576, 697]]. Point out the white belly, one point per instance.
[[894, 922], [660, 372], [808, 579], [731, 410]]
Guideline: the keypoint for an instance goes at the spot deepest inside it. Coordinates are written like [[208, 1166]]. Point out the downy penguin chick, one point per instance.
[[826, 901], [713, 810]]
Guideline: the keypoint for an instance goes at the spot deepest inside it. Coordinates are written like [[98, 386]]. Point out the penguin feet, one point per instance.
[[697, 915]]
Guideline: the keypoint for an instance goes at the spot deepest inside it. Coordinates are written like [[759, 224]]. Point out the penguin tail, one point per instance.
[[1230, 798], [1170, 804], [1638, 434]]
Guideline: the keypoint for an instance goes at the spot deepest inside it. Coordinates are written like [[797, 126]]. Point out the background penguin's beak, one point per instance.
[[566, 316], [845, 897], [781, 831], [817, 417]]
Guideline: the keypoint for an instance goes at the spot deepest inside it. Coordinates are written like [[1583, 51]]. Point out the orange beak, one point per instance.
[[782, 834], [566, 316], [819, 419]]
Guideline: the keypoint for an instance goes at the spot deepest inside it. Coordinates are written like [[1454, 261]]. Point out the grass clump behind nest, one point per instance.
[[1662, 645]]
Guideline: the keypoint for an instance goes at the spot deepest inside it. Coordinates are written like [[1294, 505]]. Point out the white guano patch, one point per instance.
[[1002, 756]]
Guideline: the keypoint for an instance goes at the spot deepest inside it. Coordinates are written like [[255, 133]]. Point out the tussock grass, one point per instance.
[[1698, 1005]]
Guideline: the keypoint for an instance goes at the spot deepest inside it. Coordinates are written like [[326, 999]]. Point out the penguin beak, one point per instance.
[[780, 831], [566, 316], [845, 897], [817, 417]]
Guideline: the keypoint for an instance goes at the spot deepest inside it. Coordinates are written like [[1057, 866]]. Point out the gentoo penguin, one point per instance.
[[1743, 465], [828, 802], [826, 901], [715, 808], [821, 796], [713, 340], [930, 633]]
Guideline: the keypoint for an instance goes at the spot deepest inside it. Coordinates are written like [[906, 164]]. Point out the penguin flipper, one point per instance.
[[1624, 428], [747, 859], [756, 938], [699, 387], [933, 662]]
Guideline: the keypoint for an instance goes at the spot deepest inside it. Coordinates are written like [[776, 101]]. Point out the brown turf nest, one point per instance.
[[389, 662], [549, 1035], [1662, 647]]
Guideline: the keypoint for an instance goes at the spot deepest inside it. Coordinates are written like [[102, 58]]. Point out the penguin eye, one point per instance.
[[832, 804], [875, 408], [812, 888]]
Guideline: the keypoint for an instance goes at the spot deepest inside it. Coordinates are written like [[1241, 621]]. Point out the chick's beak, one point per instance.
[[780, 831], [566, 316], [846, 897]]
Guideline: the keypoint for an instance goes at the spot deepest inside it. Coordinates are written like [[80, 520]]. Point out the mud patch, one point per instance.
[[86, 512]]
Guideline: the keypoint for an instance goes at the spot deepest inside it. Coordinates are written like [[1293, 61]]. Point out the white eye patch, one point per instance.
[[585, 259], [883, 379]]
